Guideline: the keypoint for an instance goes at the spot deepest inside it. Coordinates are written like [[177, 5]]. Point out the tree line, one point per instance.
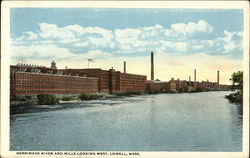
[[237, 87]]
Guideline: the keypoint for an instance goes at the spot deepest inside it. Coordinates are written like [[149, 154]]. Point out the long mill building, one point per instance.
[[33, 80]]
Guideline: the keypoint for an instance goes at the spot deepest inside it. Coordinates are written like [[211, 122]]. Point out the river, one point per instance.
[[164, 122]]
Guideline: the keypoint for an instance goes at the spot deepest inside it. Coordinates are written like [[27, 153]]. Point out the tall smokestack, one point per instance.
[[194, 75], [218, 77], [189, 82], [124, 67], [152, 66]]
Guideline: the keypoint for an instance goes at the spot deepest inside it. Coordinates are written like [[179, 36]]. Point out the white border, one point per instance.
[[5, 62]]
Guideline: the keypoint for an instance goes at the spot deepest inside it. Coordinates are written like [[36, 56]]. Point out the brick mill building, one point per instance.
[[182, 85], [33, 80], [110, 81]]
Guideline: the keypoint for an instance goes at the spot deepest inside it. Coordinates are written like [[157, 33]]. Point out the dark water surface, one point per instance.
[[164, 122]]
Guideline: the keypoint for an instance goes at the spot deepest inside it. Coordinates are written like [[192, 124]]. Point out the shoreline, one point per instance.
[[22, 107]]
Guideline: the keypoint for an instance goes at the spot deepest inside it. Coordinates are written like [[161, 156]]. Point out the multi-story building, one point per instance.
[[111, 81], [33, 80], [157, 86], [178, 85], [184, 86]]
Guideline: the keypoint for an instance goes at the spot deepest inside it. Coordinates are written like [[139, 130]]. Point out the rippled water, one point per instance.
[[163, 122]]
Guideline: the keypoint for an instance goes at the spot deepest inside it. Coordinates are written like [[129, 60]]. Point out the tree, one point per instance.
[[237, 88], [237, 79]]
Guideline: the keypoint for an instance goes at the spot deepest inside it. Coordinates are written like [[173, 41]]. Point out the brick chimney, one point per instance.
[[152, 66], [218, 78], [194, 75], [124, 67]]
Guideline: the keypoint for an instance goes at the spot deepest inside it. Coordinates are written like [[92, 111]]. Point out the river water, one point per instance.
[[164, 122]]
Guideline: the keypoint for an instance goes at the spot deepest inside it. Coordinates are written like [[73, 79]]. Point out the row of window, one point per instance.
[[27, 75], [54, 82], [56, 86], [53, 90], [54, 79]]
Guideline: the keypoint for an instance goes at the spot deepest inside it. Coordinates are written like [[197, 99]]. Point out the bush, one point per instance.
[[47, 99], [66, 98], [235, 97], [128, 93], [87, 96], [153, 92]]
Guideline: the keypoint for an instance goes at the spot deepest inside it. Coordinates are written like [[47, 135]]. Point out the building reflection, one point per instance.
[[153, 124]]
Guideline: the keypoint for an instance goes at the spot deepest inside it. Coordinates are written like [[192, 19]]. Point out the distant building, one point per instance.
[[178, 85], [173, 86], [157, 86], [184, 86]]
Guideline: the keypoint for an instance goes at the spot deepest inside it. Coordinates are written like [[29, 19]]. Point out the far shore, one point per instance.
[[19, 107]]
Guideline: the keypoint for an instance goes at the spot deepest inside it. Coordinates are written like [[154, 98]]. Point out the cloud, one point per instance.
[[232, 41], [81, 44], [197, 47], [152, 33], [97, 54], [74, 40], [192, 28], [181, 46], [51, 52], [51, 31], [40, 52]]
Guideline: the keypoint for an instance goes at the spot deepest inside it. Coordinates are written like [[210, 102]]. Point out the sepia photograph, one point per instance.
[[125, 79]]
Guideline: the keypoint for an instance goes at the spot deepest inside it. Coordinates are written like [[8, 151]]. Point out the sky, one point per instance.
[[182, 40]]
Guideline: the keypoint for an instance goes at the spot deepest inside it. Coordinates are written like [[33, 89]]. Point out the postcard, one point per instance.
[[125, 79]]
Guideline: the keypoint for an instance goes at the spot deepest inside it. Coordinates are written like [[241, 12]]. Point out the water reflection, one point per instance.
[[164, 122], [236, 121], [152, 120], [239, 109]]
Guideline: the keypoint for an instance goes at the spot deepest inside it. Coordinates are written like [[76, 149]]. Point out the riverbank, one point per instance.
[[31, 105]]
